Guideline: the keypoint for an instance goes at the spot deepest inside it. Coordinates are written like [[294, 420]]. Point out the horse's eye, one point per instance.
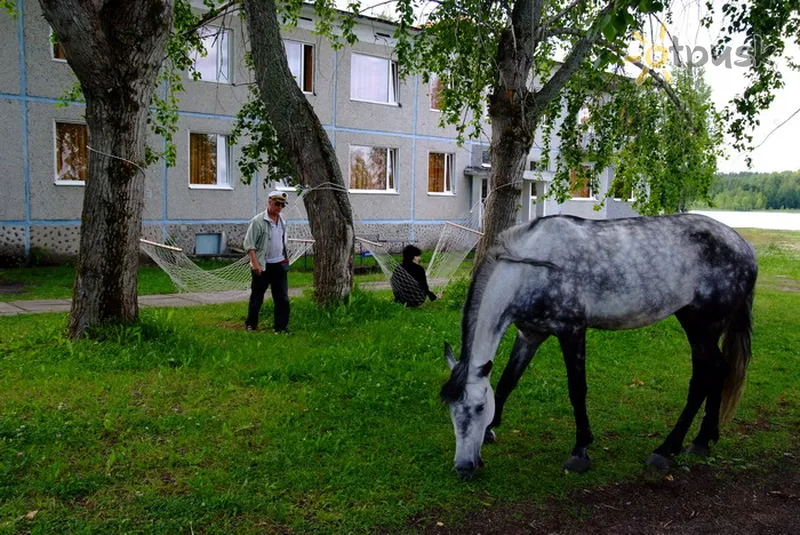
[[479, 409]]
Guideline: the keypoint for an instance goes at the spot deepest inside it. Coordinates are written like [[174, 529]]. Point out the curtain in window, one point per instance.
[[308, 68], [579, 182], [58, 51], [294, 58], [72, 156], [436, 172], [436, 92], [369, 78], [203, 159]]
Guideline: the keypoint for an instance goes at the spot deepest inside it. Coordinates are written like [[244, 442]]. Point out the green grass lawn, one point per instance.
[[185, 423], [55, 282]]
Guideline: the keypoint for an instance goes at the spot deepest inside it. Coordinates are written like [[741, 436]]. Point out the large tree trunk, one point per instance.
[[515, 110], [309, 149], [513, 127], [115, 48]]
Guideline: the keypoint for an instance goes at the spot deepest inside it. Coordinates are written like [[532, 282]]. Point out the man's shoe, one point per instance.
[[249, 328], [282, 331]]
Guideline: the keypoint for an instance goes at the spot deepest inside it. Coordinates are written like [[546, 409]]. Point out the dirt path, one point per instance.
[[730, 501]]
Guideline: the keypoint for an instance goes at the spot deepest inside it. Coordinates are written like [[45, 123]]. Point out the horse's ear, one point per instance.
[[486, 369], [448, 354]]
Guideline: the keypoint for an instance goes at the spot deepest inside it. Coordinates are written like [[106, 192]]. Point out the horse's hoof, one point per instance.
[[659, 462], [489, 437], [698, 451], [578, 464]]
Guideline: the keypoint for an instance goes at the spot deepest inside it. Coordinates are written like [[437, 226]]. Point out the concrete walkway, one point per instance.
[[13, 308]]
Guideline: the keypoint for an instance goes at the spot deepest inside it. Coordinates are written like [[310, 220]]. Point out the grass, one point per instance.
[[55, 282], [185, 423]]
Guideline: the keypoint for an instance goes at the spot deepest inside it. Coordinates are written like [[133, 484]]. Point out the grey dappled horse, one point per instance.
[[561, 275]]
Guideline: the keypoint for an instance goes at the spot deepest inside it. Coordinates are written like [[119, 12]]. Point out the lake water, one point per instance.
[[765, 220]]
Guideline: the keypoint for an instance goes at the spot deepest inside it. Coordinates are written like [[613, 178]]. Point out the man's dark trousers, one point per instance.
[[273, 275]]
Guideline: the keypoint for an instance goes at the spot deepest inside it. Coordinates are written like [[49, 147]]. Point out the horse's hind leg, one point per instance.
[[709, 428], [703, 338], [573, 347], [525, 347]]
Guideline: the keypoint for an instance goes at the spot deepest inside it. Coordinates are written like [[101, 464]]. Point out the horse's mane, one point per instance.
[[454, 388]]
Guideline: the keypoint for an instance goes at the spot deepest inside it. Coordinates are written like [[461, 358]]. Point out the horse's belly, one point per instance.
[[616, 319]]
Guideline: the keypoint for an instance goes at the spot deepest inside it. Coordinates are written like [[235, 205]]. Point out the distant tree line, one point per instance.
[[757, 191]]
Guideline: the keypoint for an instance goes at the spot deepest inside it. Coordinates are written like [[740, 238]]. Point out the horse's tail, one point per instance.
[[736, 351]]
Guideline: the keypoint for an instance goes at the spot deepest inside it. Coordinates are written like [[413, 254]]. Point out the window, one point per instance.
[[301, 63], [437, 86], [620, 191], [372, 168], [215, 66], [373, 79], [440, 172], [486, 158], [208, 160], [72, 157], [58, 50], [580, 183]]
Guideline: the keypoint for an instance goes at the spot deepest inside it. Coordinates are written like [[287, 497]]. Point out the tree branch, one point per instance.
[[658, 78], [558, 16], [578, 53], [214, 14]]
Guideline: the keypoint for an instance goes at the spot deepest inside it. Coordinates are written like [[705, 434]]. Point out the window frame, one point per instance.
[[214, 32], [225, 151], [610, 191], [391, 161], [56, 180], [392, 77], [303, 64], [449, 170]]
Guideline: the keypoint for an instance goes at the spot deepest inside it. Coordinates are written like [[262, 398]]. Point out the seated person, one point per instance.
[[409, 283]]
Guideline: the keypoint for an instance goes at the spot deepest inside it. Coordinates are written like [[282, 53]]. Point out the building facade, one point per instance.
[[406, 175]]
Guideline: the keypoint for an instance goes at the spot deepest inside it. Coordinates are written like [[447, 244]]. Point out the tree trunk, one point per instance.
[[309, 148], [513, 129], [515, 111], [115, 48], [511, 144]]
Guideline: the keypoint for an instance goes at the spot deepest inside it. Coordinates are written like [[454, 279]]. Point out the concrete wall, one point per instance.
[[37, 213]]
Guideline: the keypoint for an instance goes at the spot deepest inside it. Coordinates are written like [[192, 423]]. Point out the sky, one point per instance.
[[778, 150]]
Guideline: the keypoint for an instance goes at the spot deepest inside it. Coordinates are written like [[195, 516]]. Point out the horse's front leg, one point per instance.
[[573, 347], [524, 349]]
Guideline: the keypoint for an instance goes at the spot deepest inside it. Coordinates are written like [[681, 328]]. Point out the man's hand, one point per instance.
[[254, 265]]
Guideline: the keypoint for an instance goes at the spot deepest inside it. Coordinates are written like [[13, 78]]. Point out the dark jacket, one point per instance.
[[417, 271]]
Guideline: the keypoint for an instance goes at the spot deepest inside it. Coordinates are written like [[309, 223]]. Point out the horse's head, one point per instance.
[[471, 400]]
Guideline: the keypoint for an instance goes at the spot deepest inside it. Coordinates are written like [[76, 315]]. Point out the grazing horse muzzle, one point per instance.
[[466, 469]]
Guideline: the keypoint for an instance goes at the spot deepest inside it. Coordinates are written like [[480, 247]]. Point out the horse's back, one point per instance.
[[625, 273]]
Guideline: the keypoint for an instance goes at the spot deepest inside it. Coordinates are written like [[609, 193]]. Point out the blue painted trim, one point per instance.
[[202, 115], [150, 222], [23, 90], [415, 110], [335, 96], [52, 223], [164, 176], [256, 183], [203, 221]]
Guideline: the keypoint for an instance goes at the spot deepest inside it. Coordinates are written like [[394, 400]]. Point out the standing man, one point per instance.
[[265, 243]]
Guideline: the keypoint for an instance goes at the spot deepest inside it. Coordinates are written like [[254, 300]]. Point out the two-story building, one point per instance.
[[405, 174]]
